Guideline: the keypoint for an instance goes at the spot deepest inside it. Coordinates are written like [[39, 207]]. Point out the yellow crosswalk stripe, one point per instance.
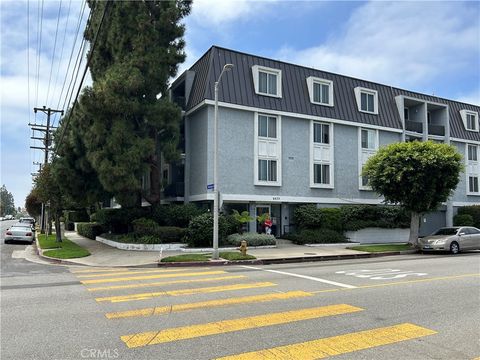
[[226, 326], [146, 296], [149, 277], [162, 283], [337, 345], [131, 273], [160, 310]]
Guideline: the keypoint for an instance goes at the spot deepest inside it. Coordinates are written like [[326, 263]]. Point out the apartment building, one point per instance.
[[291, 135]]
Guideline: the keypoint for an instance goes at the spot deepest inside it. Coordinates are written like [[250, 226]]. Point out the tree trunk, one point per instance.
[[154, 194], [414, 228], [58, 230]]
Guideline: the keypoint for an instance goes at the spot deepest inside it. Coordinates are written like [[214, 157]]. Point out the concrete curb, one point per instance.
[[51, 260], [286, 260]]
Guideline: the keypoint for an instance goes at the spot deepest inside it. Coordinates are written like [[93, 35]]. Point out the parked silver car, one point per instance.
[[20, 232], [453, 239]]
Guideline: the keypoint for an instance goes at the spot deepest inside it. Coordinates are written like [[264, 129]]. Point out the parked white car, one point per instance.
[[20, 232]]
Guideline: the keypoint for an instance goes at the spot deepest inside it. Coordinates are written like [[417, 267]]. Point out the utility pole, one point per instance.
[[47, 129]]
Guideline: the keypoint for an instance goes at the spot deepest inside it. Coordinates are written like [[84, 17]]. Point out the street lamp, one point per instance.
[[226, 67]]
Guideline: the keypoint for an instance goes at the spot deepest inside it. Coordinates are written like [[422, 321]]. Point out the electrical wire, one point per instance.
[[28, 61], [39, 51], [61, 57], [67, 120], [53, 53], [80, 17]]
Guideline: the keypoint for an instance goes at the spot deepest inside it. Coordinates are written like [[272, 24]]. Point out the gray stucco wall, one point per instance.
[[460, 194]]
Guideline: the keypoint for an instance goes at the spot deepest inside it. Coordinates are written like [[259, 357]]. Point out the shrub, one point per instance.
[[90, 230], [473, 211], [200, 230], [119, 221], [463, 220], [76, 216], [318, 236], [170, 234], [132, 239], [331, 218], [144, 226], [69, 226], [308, 216], [356, 217], [175, 215], [252, 239]]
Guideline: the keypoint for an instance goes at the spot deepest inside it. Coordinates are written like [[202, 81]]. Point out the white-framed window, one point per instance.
[[367, 146], [321, 155], [267, 81], [320, 91], [367, 100], [267, 164], [472, 157], [470, 120]]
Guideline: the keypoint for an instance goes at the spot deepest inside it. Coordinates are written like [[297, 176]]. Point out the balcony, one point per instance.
[[436, 130], [414, 126]]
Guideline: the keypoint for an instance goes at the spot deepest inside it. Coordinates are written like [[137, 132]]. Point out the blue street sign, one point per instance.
[[210, 187]]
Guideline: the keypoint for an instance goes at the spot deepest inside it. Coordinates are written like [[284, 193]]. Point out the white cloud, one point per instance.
[[399, 43], [218, 12]]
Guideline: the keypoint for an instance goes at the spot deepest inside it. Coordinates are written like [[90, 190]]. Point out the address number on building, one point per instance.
[[276, 198]]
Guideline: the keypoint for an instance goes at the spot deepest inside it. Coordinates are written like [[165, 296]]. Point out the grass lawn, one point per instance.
[[382, 247], [64, 250], [227, 255], [235, 255]]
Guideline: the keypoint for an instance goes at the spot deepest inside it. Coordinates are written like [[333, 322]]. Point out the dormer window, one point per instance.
[[267, 81], [320, 91], [470, 120], [367, 100]]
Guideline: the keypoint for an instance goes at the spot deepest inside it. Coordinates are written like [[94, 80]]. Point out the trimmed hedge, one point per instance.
[[132, 239], [200, 230], [318, 236], [89, 230], [473, 211], [463, 220], [252, 239], [147, 227], [119, 221], [175, 215], [351, 217]]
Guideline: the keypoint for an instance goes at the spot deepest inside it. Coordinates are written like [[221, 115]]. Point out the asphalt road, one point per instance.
[[404, 307]]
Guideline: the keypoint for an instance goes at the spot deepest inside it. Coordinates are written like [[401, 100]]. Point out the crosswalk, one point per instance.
[[120, 291]]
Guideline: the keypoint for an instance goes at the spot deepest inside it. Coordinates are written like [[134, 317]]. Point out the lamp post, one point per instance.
[[226, 67]]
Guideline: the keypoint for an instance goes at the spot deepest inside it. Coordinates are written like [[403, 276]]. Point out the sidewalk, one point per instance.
[[103, 255]]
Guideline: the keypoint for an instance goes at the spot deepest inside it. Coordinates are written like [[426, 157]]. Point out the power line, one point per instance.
[[28, 58], [61, 52], [80, 17], [53, 53], [64, 129], [39, 42]]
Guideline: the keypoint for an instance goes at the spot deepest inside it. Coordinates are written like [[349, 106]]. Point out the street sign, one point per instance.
[[210, 187]]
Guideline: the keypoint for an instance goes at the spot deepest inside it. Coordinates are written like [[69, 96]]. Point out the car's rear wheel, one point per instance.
[[454, 248]]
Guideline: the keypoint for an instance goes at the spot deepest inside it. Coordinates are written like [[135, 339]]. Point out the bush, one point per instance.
[[119, 221], [76, 216], [463, 220], [144, 226], [356, 217], [308, 217], [175, 215], [90, 230], [252, 239], [473, 211], [331, 218], [69, 226], [132, 239], [200, 230], [318, 236], [170, 234]]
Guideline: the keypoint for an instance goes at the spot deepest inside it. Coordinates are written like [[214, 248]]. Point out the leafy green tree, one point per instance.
[[48, 190], [126, 126], [416, 175], [33, 204], [7, 203]]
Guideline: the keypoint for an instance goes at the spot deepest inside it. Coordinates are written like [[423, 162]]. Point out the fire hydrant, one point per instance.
[[243, 247]]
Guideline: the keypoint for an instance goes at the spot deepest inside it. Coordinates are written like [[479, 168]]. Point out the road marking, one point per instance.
[[131, 273], [226, 326], [161, 310], [146, 296], [148, 277], [402, 282], [337, 345], [304, 277], [161, 283], [381, 274]]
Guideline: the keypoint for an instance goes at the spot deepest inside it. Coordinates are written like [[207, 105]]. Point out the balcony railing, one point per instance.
[[414, 126], [436, 130]]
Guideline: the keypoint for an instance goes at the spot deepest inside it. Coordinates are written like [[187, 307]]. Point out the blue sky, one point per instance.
[[430, 47]]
